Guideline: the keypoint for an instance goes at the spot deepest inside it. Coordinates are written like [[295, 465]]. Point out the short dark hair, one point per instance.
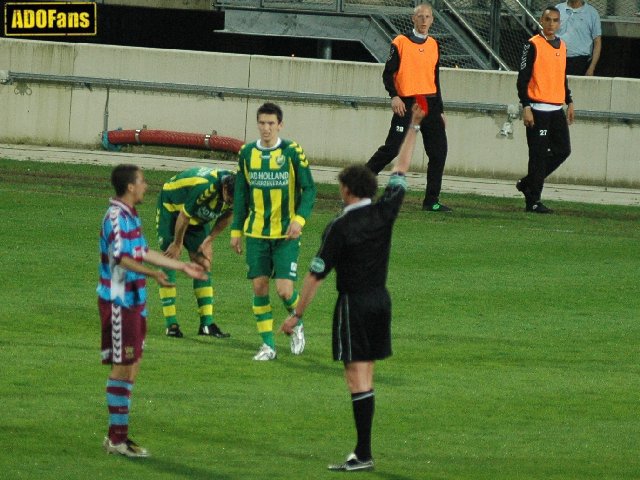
[[229, 181], [360, 181], [122, 176], [551, 8], [270, 108]]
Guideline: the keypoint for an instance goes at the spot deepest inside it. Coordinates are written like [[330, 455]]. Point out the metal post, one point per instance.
[[494, 29], [105, 120], [340, 6], [530, 15]]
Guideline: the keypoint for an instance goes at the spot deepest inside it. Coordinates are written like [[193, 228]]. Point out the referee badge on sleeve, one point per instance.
[[317, 265]]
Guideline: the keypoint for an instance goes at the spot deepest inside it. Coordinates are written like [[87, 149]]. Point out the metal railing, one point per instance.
[[533, 20], [487, 48], [501, 27], [485, 34], [606, 8], [21, 80], [338, 6]]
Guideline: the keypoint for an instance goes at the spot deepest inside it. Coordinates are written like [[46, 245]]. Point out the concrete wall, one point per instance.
[[604, 153]]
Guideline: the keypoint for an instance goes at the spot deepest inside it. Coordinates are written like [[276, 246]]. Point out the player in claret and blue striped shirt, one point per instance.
[[122, 297]]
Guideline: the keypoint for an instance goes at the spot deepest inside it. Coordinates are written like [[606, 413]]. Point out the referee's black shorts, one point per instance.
[[362, 326]]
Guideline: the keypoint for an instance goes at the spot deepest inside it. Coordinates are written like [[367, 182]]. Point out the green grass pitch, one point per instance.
[[516, 349]]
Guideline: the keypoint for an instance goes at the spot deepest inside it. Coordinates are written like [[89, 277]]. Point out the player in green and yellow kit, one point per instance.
[[187, 206], [273, 199]]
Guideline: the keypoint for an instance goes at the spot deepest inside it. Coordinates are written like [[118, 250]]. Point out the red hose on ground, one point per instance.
[[173, 139]]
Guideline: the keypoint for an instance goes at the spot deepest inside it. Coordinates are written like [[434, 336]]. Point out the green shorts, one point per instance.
[[272, 258], [166, 227]]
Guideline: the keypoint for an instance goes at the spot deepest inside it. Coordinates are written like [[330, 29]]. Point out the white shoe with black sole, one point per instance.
[[352, 464]]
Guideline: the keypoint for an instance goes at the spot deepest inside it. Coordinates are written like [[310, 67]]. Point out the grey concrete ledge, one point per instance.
[[322, 174]]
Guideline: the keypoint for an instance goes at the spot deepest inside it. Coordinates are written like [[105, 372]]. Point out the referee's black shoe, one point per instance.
[[213, 331], [435, 207], [352, 464]]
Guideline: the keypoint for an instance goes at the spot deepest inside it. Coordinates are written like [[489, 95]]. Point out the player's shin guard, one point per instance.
[[264, 319], [118, 403], [204, 295], [292, 302], [363, 408], [168, 298]]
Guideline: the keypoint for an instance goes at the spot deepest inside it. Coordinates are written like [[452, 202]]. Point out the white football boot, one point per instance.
[[297, 340], [265, 353]]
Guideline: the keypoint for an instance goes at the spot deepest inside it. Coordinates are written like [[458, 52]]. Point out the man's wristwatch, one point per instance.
[[415, 127]]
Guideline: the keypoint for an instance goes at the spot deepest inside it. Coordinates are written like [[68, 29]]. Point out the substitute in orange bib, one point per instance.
[[543, 90], [413, 68]]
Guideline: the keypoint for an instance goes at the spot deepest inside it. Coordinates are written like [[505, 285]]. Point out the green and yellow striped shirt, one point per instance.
[[197, 192], [274, 186]]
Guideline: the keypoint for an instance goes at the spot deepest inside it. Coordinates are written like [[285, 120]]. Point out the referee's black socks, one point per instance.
[[363, 408]]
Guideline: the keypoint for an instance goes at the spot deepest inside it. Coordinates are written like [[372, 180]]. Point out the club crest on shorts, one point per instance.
[[129, 353]]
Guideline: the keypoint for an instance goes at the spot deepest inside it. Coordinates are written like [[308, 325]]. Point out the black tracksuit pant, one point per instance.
[[434, 138], [549, 146], [578, 65]]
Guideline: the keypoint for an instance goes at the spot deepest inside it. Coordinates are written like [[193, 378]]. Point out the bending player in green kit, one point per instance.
[[187, 206]]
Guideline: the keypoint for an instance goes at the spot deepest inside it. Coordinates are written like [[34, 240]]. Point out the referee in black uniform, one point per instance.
[[357, 244]]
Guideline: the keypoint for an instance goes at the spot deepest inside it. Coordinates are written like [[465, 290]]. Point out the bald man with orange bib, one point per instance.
[[543, 90], [413, 69]]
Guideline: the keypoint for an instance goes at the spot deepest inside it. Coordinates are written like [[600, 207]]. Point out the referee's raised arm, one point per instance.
[[409, 142]]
